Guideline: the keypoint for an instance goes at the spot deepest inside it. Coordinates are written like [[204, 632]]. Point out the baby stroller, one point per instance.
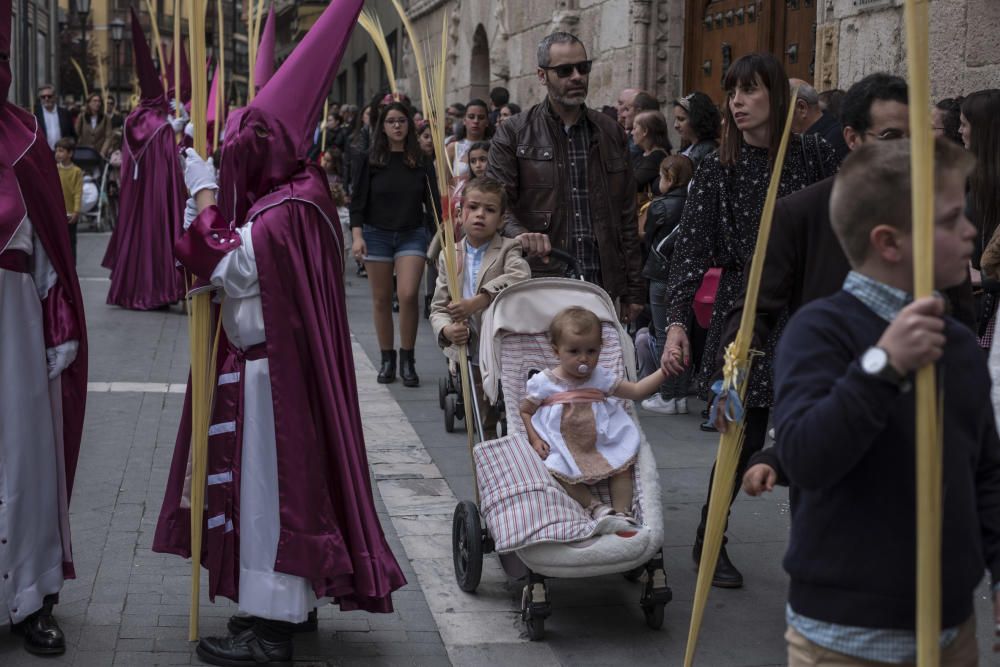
[[522, 513], [94, 205]]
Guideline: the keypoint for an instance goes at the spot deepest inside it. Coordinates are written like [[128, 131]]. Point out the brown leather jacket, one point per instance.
[[529, 155]]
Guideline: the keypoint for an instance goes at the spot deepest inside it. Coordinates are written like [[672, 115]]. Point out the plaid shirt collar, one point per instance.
[[883, 300]]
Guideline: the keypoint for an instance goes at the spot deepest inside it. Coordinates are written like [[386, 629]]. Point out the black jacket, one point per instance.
[[830, 129], [662, 219], [66, 128]]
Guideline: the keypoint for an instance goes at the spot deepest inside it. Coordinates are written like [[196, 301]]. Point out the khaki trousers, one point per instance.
[[963, 652]]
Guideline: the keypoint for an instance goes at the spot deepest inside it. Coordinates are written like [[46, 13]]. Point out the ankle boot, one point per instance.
[[407, 370], [387, 373]]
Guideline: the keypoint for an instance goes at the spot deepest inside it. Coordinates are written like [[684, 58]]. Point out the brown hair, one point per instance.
[[755, 69], [577, 319], [873, 188], [488, 186], [656, 124], [678, 168], [982, 111], [67, 143]]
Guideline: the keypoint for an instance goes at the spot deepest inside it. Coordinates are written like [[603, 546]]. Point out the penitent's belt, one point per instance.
[[15, 260]]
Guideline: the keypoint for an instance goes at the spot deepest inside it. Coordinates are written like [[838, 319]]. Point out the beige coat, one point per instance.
[[502, 266]]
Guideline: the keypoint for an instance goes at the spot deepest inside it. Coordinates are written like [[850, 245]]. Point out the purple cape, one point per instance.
[[24, 153], [150, 216], [330, 533]]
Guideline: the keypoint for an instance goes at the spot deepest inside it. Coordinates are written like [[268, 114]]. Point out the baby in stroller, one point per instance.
[[582, 435]]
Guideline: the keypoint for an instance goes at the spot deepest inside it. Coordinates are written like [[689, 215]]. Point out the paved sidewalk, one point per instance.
[[129, 606]]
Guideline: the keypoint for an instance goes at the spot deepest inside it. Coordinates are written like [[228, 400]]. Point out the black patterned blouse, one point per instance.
[[719, 228]]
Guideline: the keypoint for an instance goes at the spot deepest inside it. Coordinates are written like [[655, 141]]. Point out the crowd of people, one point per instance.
[[667, 234]]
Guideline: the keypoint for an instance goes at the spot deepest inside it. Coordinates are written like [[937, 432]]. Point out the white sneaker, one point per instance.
[[657, 403], [682, 406]]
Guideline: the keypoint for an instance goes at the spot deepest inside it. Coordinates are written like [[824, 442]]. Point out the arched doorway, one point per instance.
[[479, 74]]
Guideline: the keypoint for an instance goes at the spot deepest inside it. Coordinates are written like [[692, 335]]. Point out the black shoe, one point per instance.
[[407, 370], [251, 647], [42, 635], [240, 623], [427, 307], [726, 575], [708, 427], [387, 373]]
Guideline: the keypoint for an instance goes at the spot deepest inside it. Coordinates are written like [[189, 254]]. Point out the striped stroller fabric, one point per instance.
[[520, 500]]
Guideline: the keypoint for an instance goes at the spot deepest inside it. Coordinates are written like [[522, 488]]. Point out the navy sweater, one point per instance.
[[846, 442]]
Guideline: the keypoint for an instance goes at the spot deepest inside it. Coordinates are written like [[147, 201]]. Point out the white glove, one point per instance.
[[190, 212], [189, 129], [199, 173], [59, 358], [180, 117]]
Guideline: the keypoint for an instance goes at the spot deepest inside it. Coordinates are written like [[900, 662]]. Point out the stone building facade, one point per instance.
[[658, 44]]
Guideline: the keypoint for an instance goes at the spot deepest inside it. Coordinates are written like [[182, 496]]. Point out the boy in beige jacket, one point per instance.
[[487, 264]]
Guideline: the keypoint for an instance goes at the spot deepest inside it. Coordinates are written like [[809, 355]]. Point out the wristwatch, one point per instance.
[[875, 362]]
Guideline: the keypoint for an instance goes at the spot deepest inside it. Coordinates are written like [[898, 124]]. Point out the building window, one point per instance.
[[342, 87], [360, 65]]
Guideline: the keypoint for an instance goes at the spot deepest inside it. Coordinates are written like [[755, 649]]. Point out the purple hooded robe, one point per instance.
[[329, 533], [31, 197], [144, 275]]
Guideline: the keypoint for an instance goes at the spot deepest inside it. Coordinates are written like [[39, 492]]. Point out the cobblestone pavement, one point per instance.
[[130, 606]]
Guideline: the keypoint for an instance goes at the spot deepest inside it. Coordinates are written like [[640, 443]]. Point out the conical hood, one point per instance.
[[295, 93], [6, 16], [150, 86], [264, 67]]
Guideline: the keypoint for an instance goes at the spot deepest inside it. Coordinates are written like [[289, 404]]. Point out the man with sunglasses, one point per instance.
[[54, 121], [569, 180]]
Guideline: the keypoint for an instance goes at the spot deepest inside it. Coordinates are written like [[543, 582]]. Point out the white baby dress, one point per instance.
[[588, 441]]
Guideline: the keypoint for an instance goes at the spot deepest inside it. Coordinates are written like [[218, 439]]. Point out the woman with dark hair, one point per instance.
[[697, 121], [426, 139], [506, 111], [649, 132], [93, 127], [475, 127], [719, 228], [394, 190], [979, 127], [945, 118]]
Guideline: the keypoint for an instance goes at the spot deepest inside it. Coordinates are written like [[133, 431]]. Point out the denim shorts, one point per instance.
[[386, 246]]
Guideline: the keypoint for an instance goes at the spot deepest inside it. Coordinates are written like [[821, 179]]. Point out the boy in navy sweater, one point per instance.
[[844, 413]]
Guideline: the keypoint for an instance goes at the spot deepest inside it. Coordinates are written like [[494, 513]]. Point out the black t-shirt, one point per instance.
[[395, 197]]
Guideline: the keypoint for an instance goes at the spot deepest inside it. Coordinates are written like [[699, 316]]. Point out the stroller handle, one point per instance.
[[572, 265]]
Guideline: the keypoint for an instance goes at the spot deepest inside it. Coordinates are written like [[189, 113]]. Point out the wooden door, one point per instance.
[[717, 32]]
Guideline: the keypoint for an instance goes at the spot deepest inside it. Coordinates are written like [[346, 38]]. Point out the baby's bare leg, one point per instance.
[[621, 491], [578, 492]]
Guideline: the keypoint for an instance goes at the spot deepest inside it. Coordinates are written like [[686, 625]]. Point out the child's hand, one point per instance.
[[541, 447], [73, 218], [758, 479], [457, 333], [466, 308]]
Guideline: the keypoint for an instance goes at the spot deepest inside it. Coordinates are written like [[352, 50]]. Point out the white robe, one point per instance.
[[33, 531], [263, 592]]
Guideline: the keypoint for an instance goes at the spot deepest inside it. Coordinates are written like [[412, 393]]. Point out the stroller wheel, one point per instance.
[[467, 546], [536, 628], [450, 403], [654, 616], [442, 392], [501, 427], [535, 608]]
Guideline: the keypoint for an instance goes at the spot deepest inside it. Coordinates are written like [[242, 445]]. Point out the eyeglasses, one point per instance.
[[566, 71], [395, 121], [889, 134]]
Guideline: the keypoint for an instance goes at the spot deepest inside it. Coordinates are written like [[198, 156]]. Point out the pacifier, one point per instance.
[[583, 369]]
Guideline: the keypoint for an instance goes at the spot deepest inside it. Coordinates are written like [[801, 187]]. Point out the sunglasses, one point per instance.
[[46, 97], [566, 71]]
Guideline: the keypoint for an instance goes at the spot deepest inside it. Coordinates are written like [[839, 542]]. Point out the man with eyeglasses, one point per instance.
[[54, 121], [569, 180], [805, 261]]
